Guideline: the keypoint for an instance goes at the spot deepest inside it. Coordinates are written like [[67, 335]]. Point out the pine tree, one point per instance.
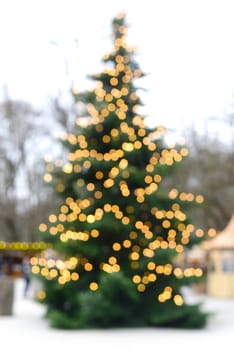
[[118, 230]]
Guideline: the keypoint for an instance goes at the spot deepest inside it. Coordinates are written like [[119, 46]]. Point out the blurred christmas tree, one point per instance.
[[118, 231]]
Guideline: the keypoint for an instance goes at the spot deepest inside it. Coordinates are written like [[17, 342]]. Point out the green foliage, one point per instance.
[[118, 231], [117, 304], [186, 317]]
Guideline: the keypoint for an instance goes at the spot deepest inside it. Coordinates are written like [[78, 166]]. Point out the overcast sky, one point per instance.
[[186, 46]]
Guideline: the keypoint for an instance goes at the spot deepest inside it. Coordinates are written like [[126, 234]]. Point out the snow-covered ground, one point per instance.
[[28, 329]]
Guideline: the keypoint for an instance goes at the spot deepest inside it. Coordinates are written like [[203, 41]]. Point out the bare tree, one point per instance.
[[208, 170], [23, 137]]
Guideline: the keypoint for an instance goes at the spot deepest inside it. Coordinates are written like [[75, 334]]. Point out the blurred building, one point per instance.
[[220, 262]]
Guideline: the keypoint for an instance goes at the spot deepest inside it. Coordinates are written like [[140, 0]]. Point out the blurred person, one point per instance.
[[26, 272]]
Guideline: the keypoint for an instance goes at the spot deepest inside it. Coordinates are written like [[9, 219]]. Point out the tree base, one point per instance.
[[6, 296]]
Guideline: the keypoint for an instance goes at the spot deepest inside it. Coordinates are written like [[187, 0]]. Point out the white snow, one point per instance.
[[27, 329]]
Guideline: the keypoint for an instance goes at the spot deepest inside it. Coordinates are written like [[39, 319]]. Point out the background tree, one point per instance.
[[24, 197], [117, 231], [209, 170]]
